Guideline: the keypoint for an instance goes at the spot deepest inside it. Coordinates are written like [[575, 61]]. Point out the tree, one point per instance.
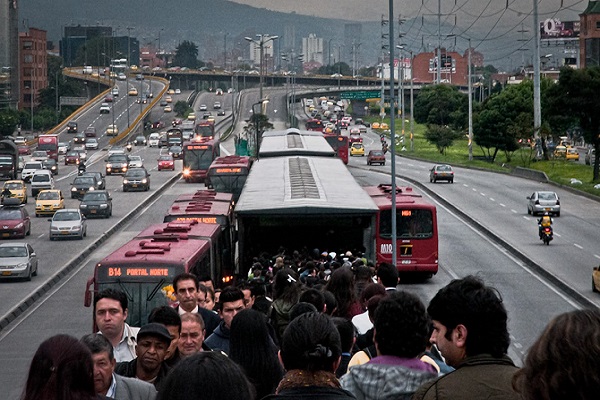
[[9, 119], [182, 108], [442, 105], [441, 136], [186, 55]]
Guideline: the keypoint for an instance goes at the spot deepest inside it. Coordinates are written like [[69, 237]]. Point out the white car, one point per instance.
[[153, 139], [63, 147], [29, 169], [115, 91], [82, 152], [66, 223], [39, 155], [104, 108], [203, 107], [20, 140], [136, 162], [91, 144], [177, 91]]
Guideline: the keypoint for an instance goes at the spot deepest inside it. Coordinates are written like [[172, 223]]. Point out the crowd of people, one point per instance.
[[326, 327]]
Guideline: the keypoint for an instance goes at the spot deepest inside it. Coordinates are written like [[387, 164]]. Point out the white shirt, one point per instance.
[[125, 350], [362, 322], [182, 311], [113, 386]]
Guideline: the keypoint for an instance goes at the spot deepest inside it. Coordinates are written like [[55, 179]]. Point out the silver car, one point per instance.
[[541, 202], [18, 260], [68, 223]]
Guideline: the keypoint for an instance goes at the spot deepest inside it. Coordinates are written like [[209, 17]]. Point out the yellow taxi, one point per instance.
[[48, 202], [168, 99], [572, 154], [357, 149], [17, 188], [171, 91], [384, 126], [132, 92], [191, 116], [375, 125], [596, 279], [168, 109]]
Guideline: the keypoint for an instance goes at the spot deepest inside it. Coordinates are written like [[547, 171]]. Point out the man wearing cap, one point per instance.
[[153, 341]]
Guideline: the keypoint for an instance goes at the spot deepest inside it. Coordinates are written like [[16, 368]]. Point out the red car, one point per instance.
[[24, 150], [72, 157], [108, 98], [354, 138], [14, 219], [166, 162]]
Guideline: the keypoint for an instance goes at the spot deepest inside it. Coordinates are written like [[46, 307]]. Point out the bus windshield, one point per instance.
[[204, 130], [410, 224], [198, 159], [229, 183]]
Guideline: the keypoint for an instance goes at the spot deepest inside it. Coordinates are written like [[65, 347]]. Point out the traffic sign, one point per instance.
[[360, 95]]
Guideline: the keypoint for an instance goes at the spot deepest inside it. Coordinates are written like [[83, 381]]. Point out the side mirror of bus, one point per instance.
[[87, 301]]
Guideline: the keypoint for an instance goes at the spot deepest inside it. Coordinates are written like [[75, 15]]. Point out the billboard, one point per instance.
[[554, 28], [448, 64]]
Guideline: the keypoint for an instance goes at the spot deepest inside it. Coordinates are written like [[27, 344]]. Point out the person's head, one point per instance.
[[401, 326], [341, 284], [301, 308], [172, 321], [311, 343], [110, 311], [206, 280], [192, 334], [285, 285], [248, 297], [387, 275], [202, 294], [209, 302], [103, 358], [62, 366], [186, 290], [563, 362], [372, 305], [314, 297], [469, 318], [153, 340], [231, 302], [206, 375], [330, 302], [346, 330], [372, 289]]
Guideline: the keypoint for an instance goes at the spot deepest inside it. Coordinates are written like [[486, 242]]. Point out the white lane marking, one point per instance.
[[41, 236], [474, 189], [465, 185], [597, 256], [578, 246], [483, 194], [502, 205], [492, 199], [556, 234]]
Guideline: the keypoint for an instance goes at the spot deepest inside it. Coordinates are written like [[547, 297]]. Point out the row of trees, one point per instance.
[[505, 119]]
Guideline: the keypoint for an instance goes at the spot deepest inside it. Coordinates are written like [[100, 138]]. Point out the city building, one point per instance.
[[33, 66], [268, 51], [312, 49], [454, 67], [149, 57], [352, 38], [9, 54], [589, 39]]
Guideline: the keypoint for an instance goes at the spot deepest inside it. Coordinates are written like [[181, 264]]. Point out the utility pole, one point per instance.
[[537, 107], [470, 106], [439, 47], [392, 134]]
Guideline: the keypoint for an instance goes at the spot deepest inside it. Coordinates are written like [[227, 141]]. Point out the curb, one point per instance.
[[20, 308]]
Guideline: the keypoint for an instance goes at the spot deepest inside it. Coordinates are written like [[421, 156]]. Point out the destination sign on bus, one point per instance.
[[197, 147], [228, 170], [116, 272], [204, 220]]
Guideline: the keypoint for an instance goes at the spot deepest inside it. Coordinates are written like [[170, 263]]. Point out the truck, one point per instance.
[[49, 143], [9, 159], [175, 137]]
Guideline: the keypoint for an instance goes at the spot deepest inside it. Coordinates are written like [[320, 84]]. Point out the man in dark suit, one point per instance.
[[106, 382], [186, 291]]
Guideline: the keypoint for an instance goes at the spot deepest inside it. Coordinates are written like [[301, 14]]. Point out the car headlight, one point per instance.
[[103, 205], [125, 181], [108, 165], [83, 206], [144, 180], [54, 229], [19, 225], [22, 265], [91, 189], [73, 189]]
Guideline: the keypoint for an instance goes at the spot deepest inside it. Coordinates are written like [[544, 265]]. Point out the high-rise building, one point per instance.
[[33, 65], [312, 49], [9, 54], [352, 39], [268, 50]]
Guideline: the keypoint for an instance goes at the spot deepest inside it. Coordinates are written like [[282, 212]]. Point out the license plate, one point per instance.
[[6, 273], [548, 209], [64, 233], [134, 185], [93, 211], [6, 235]]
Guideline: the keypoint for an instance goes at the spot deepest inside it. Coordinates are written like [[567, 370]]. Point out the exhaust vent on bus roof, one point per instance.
[[302, 181], [294, 141]]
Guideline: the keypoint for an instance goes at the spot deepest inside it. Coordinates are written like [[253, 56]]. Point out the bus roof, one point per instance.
[[206, 212], [302, 185], [382, 196], [231, 161], [209, 195], [180, 230], [294, 142]]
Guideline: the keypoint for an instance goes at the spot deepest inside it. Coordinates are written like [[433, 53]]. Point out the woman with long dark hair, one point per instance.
[[341, 285], [286, 292], [252, 348]]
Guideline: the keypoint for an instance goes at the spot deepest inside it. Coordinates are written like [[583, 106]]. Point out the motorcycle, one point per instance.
[[547, 235], [81, 169], [128, 147], [384, 147]]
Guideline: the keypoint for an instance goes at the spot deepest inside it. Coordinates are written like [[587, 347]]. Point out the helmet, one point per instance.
[[546, 214]]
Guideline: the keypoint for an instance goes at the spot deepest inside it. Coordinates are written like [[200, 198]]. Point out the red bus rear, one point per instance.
[[228, 174], [314, 125], [144, 267], [49, 143], [205, 129], [416, 230], [198, 154], [339, 143]]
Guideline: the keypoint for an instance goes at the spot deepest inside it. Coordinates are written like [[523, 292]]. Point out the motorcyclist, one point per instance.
[[128, 147], [6, 193], [81, 168], [544, 222], [384, 147]]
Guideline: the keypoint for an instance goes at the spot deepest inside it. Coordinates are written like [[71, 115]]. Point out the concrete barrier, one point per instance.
[[532, 174]]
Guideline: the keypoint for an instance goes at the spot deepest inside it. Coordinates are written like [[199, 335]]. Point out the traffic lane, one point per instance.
[[56, 254], [498, 202], [531, 303]]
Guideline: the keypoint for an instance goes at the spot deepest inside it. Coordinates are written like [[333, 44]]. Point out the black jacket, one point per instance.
[[129, 369], [312, 392]]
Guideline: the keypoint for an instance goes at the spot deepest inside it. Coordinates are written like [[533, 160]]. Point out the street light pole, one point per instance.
[[257, 125], [261, 44], [470, 106], [127, 75], [392, 134]]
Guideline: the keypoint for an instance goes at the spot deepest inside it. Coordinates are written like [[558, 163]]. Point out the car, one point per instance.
[[39, 155], [97, 203], [136, 179], [72, 158], [158, 124], [357, 149], [336, 75], [171, 91], [149, 94], [29, 168], [221, 112], [112, 130], [18, 190], [68, 223], [442, 172], [115, 91], [18, 260], [24, 150], [140, 140], [163, 103], [136, 162], [132, 92], [375, 125], [142, 99], [175, 151], [355, 130], [104, 108], [51, 165], [203, 107], [191, 116], [177, 91], [82, 184], [91, 144], [219, 92], [139, 77], [82, 152], [168, 99], [217, 105], [41, 180], [72, 127], [354, 138], [590, 157], [63, 147], [572, 154], [167, 109], [79, 138], [206, 115], [116, 163], [153, 139], [376, 156], [48, 202], [166, 162], [20, 140], [14, 219], [108, 98], [21, 164], [163, 141], [121, 76], [90, 131], [101, 182], [543, 201]]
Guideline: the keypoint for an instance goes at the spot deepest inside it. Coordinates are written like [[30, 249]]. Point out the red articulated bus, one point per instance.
[[205, 129], [339, 143], [228, 174], [314, 125], [416, 230], [205, 195], [198, 154], [144, 267]]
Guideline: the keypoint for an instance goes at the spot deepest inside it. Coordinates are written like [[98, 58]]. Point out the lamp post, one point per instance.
[[127, 75], [257, 124], [393, 134], [263, 38], [401, 81]]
